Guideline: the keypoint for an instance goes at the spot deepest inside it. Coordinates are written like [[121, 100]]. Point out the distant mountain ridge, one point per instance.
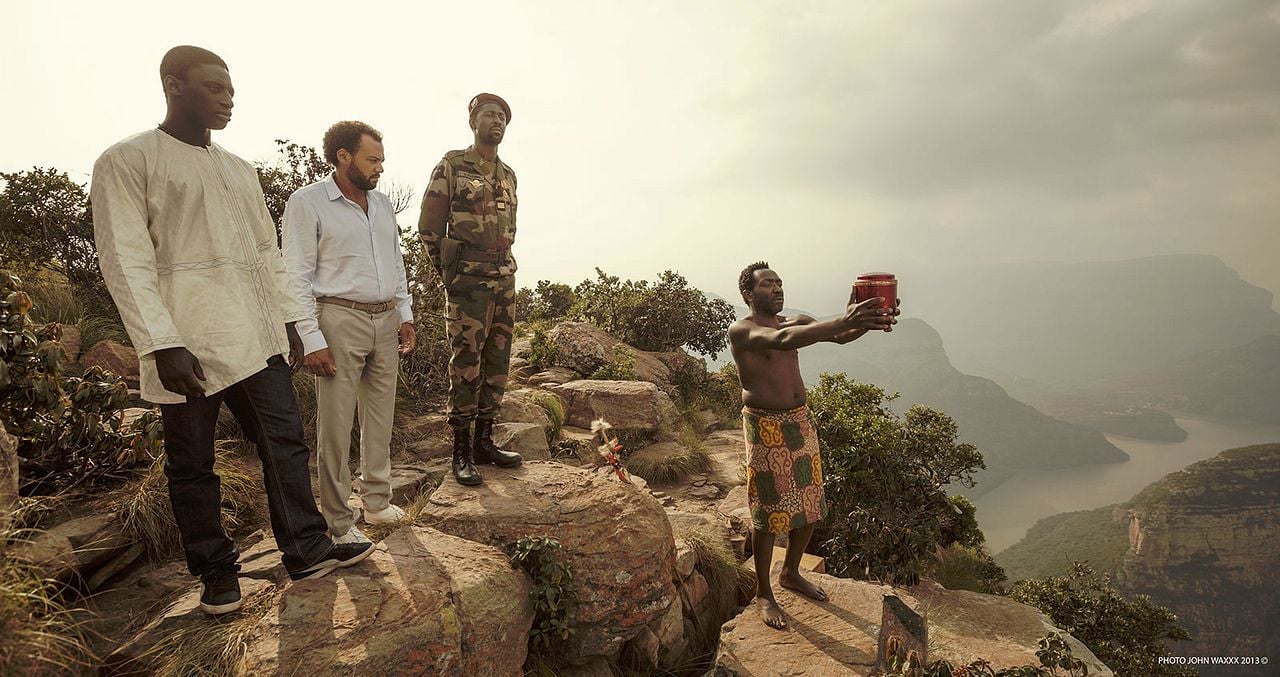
[[912, 360], [1203, 541]]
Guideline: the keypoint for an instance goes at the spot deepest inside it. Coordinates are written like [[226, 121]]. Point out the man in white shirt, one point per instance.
[[342, 248], [188, 252]]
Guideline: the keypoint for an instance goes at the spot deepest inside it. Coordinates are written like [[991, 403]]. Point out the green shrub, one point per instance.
[[662, 316], [1128, 635], [965, 567], [554, 593], [885, 480], [542, 351], [70, 429], [621, 368]]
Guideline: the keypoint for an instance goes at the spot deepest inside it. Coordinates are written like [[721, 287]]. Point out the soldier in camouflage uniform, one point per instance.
[[468, 223]]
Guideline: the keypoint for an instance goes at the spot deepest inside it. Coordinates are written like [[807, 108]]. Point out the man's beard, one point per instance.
[[360, 180]]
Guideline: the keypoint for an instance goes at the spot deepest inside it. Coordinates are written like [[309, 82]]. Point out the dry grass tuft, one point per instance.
[[39, 634], [659, 466], [412, 515], [147, 516], [215, 648], [553, 405], [725, 578]]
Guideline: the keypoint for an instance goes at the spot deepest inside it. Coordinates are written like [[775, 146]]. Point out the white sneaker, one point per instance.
[[353, 535], [392, 514]]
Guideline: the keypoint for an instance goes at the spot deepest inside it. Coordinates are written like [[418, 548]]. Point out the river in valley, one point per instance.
[[1006, 512]]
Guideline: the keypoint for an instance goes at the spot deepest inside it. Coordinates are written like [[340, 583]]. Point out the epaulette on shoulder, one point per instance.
[[454, 154]]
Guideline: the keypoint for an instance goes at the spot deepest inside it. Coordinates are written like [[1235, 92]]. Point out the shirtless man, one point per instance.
[[784, 468]]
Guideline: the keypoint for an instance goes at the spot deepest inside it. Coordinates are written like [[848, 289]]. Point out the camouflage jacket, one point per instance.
[[482, 212]]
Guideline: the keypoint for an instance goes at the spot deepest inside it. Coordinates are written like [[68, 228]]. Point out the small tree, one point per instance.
[[296, 166], [885, 480], [1128, 635], [660, 317]]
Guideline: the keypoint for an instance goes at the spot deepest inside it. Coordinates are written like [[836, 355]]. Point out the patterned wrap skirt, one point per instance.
[[784, 469]]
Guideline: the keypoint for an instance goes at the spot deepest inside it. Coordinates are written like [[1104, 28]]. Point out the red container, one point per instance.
[[871, 285]]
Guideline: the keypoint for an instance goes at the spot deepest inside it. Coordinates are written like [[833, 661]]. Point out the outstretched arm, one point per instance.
[[804, 331]]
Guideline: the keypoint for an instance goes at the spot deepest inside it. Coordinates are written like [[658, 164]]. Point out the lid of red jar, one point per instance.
[[876, 276]]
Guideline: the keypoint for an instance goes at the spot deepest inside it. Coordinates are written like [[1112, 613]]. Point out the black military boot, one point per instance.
[[488, 452], [464, 468]]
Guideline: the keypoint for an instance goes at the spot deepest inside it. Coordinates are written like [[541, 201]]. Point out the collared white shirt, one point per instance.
[[188, 252], [333, 248]]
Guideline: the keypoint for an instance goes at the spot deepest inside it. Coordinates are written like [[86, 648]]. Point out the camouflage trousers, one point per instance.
[[481, 321]]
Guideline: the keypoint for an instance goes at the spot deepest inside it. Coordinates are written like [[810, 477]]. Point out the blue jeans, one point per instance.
[[267, 408]]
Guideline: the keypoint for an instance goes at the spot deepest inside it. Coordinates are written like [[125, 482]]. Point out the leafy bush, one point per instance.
[[621, 368], [554, 593], [70, 429], [967, 567], [424, 373], [663, 316], [46, 227], [885, 480], [542, 351], [1128, 635]]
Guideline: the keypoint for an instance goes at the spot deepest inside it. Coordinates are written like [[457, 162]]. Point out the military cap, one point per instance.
[[485, 97]]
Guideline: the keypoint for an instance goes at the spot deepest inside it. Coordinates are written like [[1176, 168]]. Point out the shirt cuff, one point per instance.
[[313, 341], [406, 314], [158, 343]]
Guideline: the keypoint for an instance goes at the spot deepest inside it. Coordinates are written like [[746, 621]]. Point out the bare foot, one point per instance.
[[793, 581], [771, 613]]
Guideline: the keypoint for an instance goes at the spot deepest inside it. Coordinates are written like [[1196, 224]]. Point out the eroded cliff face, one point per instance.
[[1205, 542]]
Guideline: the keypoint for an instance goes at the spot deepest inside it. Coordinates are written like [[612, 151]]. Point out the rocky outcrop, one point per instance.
[[118, 359], [625, 404], [1205, 542], [584, 348], [839, 637], [88, 549], [423, 603], [616, 539]]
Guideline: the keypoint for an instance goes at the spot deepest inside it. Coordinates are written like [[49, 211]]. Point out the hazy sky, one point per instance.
[[828, 137]]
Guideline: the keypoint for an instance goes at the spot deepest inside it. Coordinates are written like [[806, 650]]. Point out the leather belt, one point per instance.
[[356, 305]]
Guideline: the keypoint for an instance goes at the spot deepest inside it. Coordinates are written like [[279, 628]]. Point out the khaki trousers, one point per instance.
[[364, 352]]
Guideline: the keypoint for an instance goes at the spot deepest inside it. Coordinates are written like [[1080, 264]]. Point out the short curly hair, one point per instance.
[[346, 136], [747, 279]]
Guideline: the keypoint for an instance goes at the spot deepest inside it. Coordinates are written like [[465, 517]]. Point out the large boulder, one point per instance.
[[70, 341], [8, 477], [118, 359], [527, 439], [77, 548], [614, 536], [519, 406], [424, 603], [839, 637], [584, 348], [625, 404]]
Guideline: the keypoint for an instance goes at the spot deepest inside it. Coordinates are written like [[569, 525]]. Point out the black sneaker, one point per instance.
[[220, 592], [340, 555]]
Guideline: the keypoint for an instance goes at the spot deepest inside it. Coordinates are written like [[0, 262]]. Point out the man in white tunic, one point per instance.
[[188, 252], [342, 249]]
